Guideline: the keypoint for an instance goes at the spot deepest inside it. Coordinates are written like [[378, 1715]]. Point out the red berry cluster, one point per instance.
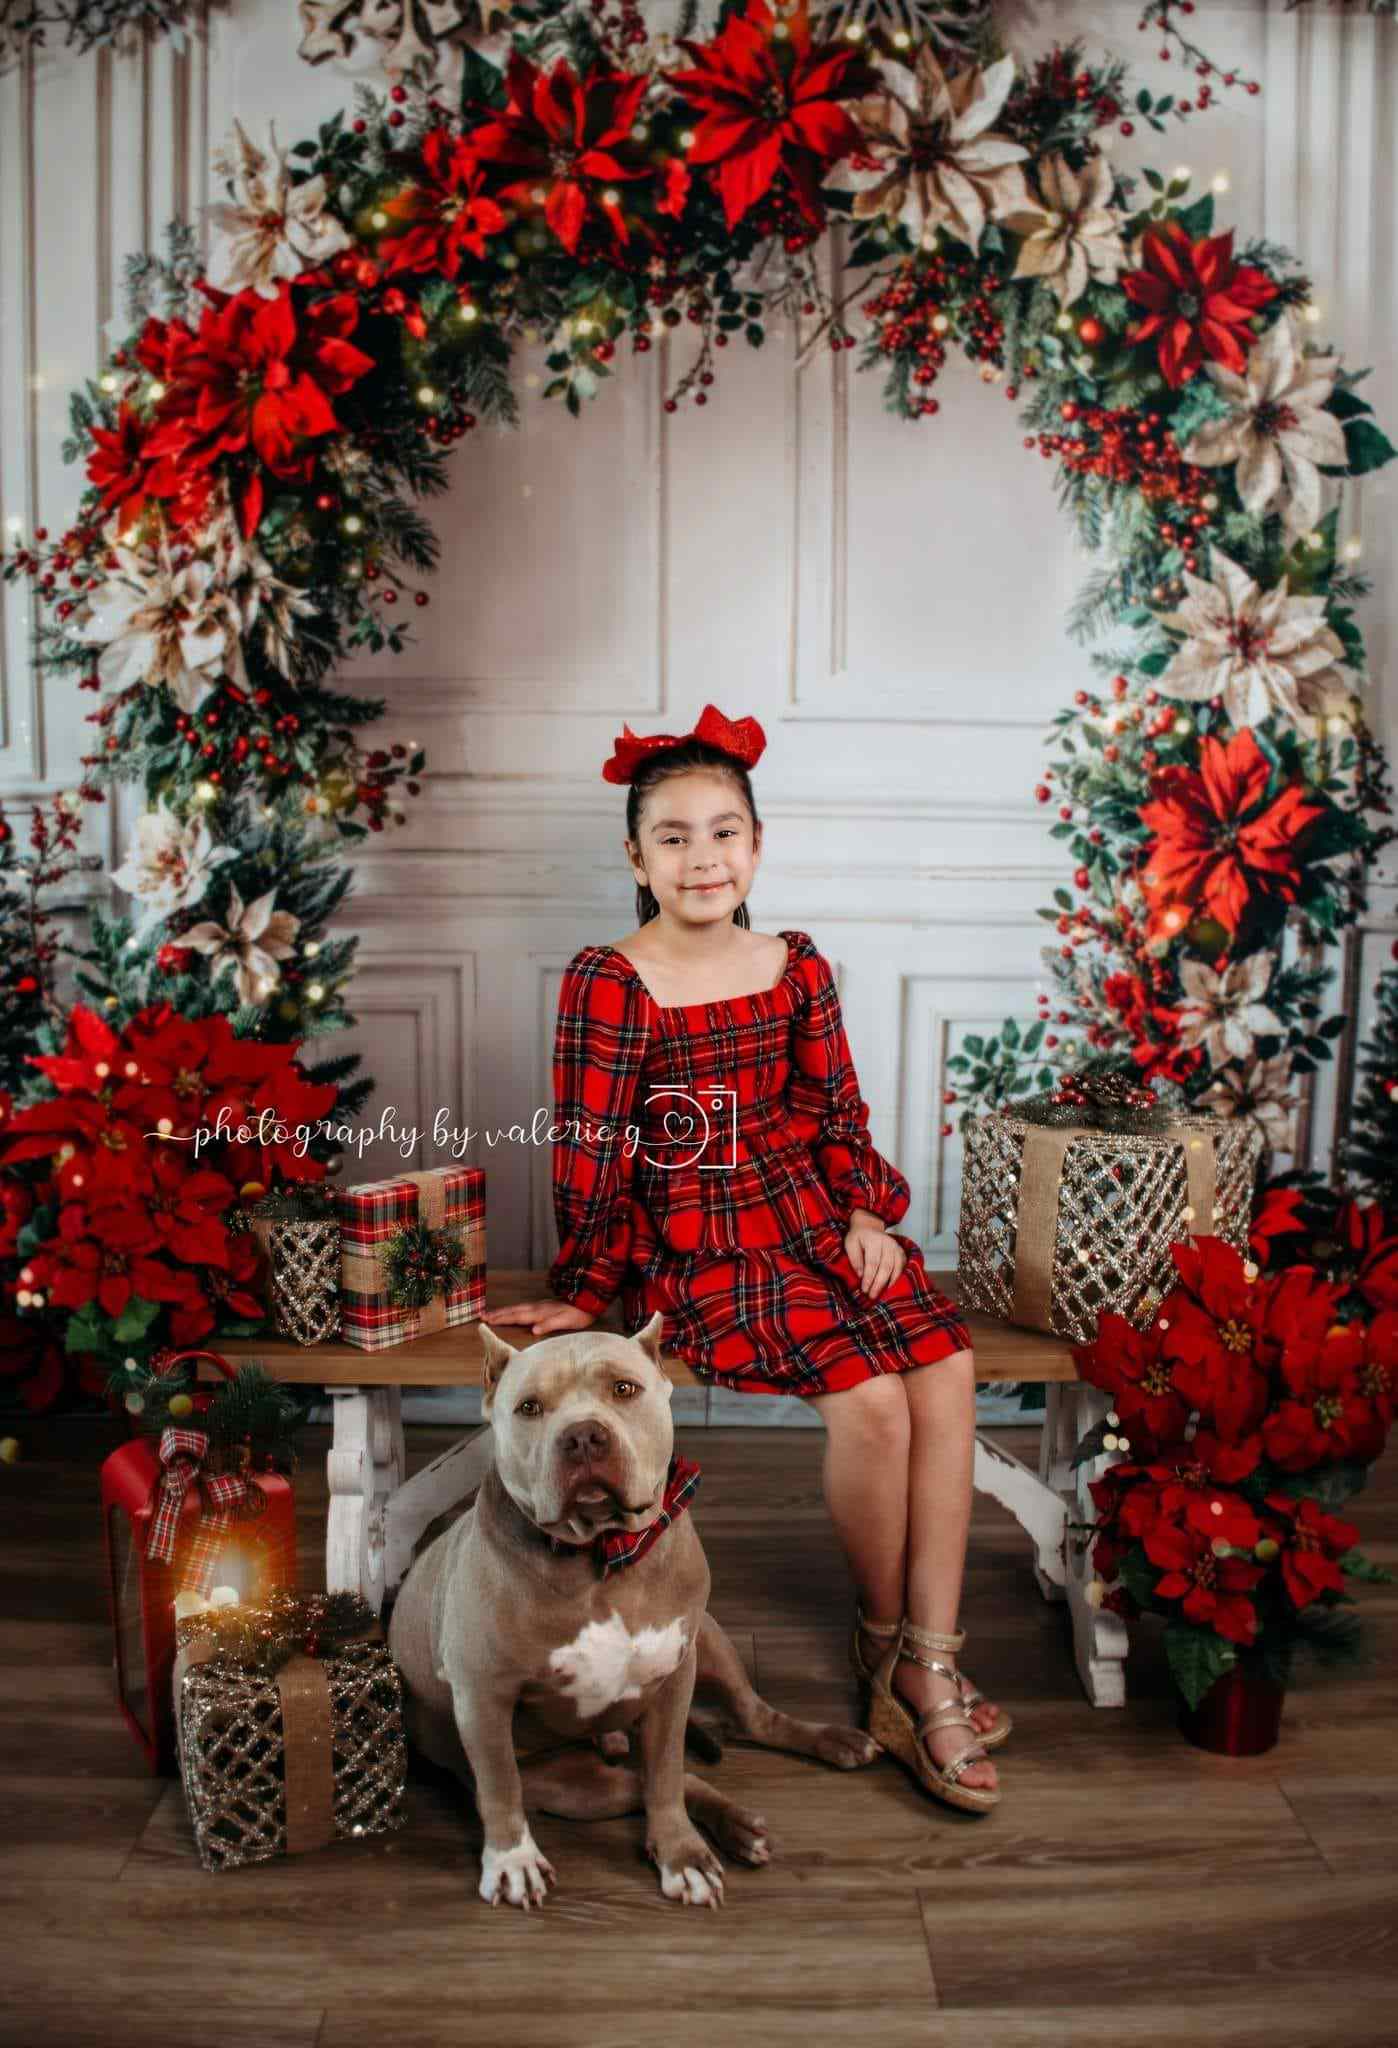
[[904, 312], [1126, 447], [1036, 107], [618, 31]]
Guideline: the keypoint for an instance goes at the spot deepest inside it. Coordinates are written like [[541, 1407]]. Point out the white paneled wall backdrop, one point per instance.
[[887, 598]]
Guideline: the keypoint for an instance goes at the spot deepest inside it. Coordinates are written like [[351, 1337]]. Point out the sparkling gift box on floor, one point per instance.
[[290, 1725], [1060, 1222], [443, 1211]]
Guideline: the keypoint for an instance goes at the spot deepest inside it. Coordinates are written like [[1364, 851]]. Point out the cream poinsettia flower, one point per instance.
[[935, 162], [1076, 233], [1224, 1013], [1261, 1092], [1263, 652], [1276, 429], [274, 229], [169, 864], [267, 606], [254, 939], [171, 627]]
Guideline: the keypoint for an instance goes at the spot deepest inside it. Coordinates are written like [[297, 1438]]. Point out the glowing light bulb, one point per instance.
[[353, 523], [469, 313], [1222, 182], [155, 389], [378, 218]]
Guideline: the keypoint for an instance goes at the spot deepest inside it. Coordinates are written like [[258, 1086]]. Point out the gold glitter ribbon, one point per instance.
[[367, 1272], [308, 1753], [1036, 1229]]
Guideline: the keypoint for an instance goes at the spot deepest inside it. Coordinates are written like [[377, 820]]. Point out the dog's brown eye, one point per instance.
[[529, 1408], [626, 1388]]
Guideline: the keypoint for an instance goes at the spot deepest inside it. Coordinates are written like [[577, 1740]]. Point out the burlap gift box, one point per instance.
[[450, 1198], [280, 1762], [1061, 1222]]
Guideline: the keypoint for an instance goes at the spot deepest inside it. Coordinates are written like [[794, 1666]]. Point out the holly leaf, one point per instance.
[[1355, 1565], [1197, 1657], [133, 1322], [1367, 447]]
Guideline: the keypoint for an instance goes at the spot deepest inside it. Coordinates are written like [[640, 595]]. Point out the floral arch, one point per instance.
[[258, 449]]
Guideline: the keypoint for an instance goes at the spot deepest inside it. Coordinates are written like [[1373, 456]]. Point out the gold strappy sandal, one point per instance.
[[971, 1696], [893, 1724], [887, 1631]]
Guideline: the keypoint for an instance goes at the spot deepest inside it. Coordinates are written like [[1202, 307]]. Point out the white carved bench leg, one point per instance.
[[1038, 1509], [364, 1469], [429, 1493], [1100, 1639], [1057, 1442]]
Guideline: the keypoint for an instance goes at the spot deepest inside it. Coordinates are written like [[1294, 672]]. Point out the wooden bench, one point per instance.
[[377, 1514]]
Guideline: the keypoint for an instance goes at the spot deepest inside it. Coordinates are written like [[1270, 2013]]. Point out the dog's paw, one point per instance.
[[520, 1875], [689, 1869], [742, 1834], [848, 1749]]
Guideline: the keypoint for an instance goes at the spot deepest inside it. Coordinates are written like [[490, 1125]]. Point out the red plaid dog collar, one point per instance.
[[617, 1547]]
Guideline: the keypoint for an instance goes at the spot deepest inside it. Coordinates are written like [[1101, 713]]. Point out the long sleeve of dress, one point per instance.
[[823, 1096], [598, 1049]]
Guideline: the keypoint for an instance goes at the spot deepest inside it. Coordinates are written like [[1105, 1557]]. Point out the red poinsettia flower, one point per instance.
[[1312, 1543], [111, 1257], [128, 476], [184, 1209], [1210, 1328], [1378, 1380], [1152, 1027], [771, 105], [260, 380], [1198, 300], [1327, 1414], [16, 1208], [1278, 1215], [1363, 1227], [446, 215], [1127, 1364], [228, 1296], [1212, 1590], [1218, 841], [558, 133]]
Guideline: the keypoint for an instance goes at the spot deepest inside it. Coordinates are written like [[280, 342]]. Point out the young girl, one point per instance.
[[717, 1166]]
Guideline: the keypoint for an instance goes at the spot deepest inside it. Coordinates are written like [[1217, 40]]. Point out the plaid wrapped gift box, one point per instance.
[[448, 1199]]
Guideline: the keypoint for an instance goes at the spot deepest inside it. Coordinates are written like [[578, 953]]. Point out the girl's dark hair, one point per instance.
[[655, 769]]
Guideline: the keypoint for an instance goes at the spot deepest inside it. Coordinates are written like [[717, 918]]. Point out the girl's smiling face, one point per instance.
[[698, 849]]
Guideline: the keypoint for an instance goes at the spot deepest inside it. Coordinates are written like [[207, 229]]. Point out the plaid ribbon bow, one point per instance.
[[182, 1453]]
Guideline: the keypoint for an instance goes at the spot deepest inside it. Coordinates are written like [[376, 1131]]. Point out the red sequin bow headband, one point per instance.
[[742, 737]]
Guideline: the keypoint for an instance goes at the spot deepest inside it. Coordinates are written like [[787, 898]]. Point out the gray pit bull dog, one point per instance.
[[510, 1639]]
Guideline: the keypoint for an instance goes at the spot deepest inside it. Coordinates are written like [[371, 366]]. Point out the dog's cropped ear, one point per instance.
[[497, 1356], [649, 1341]]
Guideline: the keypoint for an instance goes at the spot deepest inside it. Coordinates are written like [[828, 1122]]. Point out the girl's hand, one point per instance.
[[875, 1256], [545, 1317]]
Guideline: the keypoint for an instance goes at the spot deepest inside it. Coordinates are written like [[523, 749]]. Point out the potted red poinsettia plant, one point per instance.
[[1244, 1417], [121, 1185]]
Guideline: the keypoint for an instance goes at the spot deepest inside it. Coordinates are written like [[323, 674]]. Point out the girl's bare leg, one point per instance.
[[899, 1455], [868, 1433], [942, 1410]]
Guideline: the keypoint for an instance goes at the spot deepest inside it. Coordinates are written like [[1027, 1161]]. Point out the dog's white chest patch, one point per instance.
[[605, 1663]]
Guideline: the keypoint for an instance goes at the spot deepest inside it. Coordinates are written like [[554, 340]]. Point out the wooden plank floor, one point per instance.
[[1130, 1889]]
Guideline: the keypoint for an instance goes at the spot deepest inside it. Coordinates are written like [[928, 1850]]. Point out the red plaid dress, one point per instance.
[[706, 1159]]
